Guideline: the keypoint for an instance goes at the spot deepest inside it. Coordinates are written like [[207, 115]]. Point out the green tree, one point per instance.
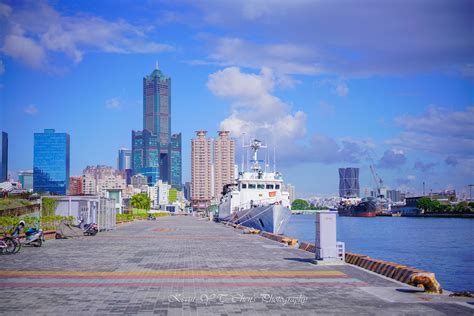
[[48, 207], [141, 201], [462, 207], [300, 204]]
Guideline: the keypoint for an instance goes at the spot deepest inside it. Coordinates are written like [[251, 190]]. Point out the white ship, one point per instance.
[[257, 200]]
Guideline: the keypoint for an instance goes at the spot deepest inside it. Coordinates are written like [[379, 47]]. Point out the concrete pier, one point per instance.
[[185, 265]]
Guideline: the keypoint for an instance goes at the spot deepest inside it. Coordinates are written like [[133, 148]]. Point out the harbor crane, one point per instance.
[[378, 180]]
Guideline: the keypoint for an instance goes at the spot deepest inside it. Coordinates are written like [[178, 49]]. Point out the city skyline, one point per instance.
[[401, 101]]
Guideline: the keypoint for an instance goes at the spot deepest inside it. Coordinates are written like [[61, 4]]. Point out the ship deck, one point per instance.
[[185, 265]]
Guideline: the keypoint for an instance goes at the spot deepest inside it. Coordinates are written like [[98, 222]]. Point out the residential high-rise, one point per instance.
[[152, 148], [349, 182], [26, 179], [75, 185], [175, 157], [96, 180], [201, 180], [51, 162], [3, 156], [224, 162]]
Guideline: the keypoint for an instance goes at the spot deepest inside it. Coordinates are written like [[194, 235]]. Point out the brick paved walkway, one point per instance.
[[188, 266]]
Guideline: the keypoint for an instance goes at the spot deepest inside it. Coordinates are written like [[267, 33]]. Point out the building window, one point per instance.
[[252, 186]]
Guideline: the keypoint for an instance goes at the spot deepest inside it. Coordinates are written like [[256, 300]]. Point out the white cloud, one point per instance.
[[113, 103], [31, 109], [438, 131], [283, 58], [340, 37], [393, 158], [33, 32], [341, 89], [255, 110]]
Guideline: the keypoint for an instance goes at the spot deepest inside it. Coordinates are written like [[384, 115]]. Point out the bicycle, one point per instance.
[[8, 245]]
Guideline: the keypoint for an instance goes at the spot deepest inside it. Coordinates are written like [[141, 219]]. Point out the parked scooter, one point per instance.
[[34, 237], [88, 229], [91, 229]]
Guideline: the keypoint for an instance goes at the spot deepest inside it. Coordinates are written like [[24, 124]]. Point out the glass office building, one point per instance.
[[349, 182], [145, 155], [3, 157], [175, 153], [51, 162], [124, 159]]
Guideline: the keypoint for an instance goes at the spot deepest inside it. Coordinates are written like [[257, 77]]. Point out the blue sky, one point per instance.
[[332, 83]]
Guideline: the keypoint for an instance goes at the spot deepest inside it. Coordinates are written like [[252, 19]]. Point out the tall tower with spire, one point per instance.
[[151, 147]]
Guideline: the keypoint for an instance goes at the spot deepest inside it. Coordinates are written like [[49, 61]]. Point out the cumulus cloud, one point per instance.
[[424, 167], [393, 158], [113, 103], [438, 131], [257, 112], [33, 31], [31, 109], [340, 38]]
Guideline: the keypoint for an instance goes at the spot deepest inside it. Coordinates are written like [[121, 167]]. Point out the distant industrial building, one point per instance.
[[224, 162], [3, 156], [26, 179], [394, 196], [349, 182], [51, 162], [201, 175]]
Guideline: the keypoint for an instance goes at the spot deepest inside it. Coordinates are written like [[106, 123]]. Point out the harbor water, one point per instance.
[[444, 246]]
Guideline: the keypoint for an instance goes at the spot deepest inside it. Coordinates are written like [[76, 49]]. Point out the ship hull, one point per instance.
[[270, 218], [364, 209]]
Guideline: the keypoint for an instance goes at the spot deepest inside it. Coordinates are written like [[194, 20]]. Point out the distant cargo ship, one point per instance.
[[355, 207]]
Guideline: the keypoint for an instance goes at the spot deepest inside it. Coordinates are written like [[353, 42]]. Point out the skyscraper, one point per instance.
[[224, 162], [201, 180], [124, 161], [175, 157], [51, 162], [349, 182], [152, 147], [3, 156]]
